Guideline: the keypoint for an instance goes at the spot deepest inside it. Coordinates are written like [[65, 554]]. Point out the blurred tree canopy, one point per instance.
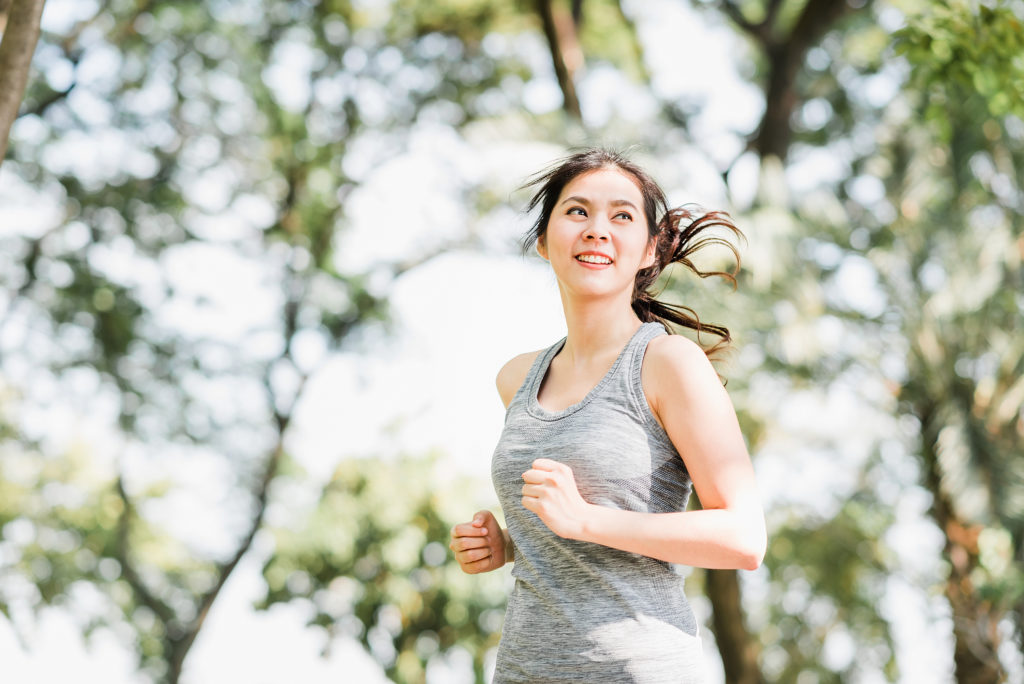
[[179, 272]]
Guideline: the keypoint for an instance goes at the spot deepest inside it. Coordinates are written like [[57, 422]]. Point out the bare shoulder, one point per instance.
[[513, 373], [677, 369], [675, 351]]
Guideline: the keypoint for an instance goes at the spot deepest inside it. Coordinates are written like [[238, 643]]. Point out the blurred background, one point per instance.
[[259, 270]]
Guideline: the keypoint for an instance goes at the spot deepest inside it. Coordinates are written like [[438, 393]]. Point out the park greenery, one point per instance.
[[879, 187]]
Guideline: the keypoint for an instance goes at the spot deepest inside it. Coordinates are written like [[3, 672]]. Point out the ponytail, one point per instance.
[[681, 233]]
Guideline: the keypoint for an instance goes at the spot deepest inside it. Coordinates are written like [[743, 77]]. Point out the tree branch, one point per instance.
[[73, 55], [637, 47], [421, 258], [577, 13], [289, 222], [224, 570], [817, 17], [785, 58], [560, 45], [128, 572], [772, 11], [734, 13], [53, 98], [16, 49]]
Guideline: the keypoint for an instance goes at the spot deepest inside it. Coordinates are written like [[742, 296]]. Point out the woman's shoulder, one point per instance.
[[675, 350], [677, 368], [513, 373]]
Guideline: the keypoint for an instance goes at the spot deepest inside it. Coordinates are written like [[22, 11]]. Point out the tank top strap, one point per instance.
[[633, 384], [539, 362], [638, 346]]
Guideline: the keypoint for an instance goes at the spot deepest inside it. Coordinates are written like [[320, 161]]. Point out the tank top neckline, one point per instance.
[[533, 406]]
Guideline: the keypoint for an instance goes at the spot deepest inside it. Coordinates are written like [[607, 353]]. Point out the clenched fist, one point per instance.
[[481, 545], [550, 492]]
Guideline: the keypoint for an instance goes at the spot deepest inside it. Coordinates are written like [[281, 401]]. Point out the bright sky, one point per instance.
[[459, 318]]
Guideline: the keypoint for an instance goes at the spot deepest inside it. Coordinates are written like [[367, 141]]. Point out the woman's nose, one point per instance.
[[597, 230]]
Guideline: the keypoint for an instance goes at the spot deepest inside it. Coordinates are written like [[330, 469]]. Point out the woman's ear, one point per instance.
[[652, 253], [541, 248]]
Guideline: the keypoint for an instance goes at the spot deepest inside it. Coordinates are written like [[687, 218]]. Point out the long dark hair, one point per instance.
[[679, 232]]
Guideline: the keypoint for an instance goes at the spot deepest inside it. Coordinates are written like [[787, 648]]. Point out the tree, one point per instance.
[[937, 279], [783, 33], [175, 139], [916, 238], [374, 561], [957, 289], [19, 23], [219, 161]]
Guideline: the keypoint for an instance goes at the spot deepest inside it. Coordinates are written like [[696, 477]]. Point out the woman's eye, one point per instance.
[[625, 215], [573, 210]]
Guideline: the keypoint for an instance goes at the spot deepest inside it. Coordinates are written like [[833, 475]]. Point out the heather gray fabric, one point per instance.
[[583, 612]]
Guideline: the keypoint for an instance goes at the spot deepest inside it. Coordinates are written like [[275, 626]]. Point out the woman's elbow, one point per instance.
[[754, 547], [752, 556]]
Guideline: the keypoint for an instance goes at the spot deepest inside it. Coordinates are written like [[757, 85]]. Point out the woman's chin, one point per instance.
[[597, 291]]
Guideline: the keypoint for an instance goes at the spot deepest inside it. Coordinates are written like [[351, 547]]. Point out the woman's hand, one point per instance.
[[550, 492], [480, 545]]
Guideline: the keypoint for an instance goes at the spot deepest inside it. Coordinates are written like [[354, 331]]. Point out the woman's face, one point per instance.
[[596, 238]]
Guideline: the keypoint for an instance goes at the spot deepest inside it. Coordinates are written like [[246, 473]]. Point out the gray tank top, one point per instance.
[[579, 611]]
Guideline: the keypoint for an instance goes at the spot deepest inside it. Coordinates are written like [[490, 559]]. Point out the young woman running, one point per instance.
[[606, 431]]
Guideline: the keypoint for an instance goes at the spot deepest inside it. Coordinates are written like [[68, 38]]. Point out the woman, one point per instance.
[[606, 431]]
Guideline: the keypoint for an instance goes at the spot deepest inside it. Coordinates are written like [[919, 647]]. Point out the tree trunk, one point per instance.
[[785, 55], [780, 100], [739, 650], [17, 46], [566, 56], [975, 620]]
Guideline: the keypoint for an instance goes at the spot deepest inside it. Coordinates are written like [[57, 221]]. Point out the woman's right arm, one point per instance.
[[482, 545]]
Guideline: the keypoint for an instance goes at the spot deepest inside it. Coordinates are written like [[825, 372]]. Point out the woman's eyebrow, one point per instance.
[[575, 198], [584, 200]]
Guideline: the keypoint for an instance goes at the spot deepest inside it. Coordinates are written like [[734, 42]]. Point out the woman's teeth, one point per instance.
[[591, 259]]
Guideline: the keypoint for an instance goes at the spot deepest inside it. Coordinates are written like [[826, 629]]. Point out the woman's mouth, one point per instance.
[[593, 260]]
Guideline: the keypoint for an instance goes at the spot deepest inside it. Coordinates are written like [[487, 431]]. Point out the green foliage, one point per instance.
[[943, 243], [959, 233], [937, 245], [189, 92], [198, 98], [60, 518], [963, 50], [470, 20], [606, 35], [374, 560], [827, 578]]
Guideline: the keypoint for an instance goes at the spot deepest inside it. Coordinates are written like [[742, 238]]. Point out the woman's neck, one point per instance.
[[597, 329]]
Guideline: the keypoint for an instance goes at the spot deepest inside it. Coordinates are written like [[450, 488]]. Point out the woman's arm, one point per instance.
[[689, 400], [482, 545]]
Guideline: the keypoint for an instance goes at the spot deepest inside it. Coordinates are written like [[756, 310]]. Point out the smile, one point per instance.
[[593, 259]]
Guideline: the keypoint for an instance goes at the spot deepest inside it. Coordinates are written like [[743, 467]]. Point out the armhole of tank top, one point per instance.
[[640, 398], [527, 380]]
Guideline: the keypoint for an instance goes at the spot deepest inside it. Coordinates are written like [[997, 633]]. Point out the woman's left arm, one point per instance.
[[729, 530]]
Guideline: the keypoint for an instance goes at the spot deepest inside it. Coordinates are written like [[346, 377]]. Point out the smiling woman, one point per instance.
[[606, 433], [674, 235], [606, 204]]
